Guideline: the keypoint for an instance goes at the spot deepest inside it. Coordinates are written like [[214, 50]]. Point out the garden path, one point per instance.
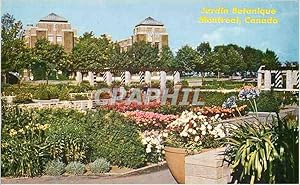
[[162, 176]]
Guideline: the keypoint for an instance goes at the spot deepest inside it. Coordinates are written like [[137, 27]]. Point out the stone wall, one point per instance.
[[207, 168]]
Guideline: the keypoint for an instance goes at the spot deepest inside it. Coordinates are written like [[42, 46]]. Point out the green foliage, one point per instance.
[[100, 165], [167, 59], [184, 83], [216, 98], [23, 98], [116, 138], [14, 54], [268, 102], [287, 145], [23, 143], [170, 109], [48, 57], [93, 53], [67, 136], [264, 152], [64, 94], [55, 168], [141, 55], [224, 84], [270, 60], [75, 168], [188, 59]]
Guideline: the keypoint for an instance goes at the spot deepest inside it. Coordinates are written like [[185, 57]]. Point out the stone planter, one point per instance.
[[207, 168], [175, 158]]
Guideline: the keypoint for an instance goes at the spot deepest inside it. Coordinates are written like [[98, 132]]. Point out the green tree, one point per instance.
[[252, 58], [204, 51], [49, 57], [229, 58], [270, 60], [167, 59], [15, 57], [217, 61], [141, 56], [92, 52], [188, 59]]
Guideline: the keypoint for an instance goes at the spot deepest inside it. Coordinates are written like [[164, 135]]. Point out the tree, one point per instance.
[[141, 56], [188, 59], [92, 52], [49, 57], [217, 61], [167, 59], [15, 57], [252, 58], [204, 51], [270, 60]]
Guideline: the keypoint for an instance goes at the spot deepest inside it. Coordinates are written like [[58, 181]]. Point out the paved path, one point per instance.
[[163, 176]]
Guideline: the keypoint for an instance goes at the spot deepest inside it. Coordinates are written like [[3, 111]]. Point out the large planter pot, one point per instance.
[[175, 158]]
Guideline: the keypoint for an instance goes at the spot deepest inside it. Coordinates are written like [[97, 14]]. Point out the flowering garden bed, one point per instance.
[[56, 141]]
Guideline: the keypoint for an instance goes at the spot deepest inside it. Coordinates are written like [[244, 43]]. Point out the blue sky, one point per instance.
[[118, 18]]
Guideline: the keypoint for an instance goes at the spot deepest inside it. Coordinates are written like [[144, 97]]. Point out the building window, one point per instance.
[[59, 38], [50, 38]]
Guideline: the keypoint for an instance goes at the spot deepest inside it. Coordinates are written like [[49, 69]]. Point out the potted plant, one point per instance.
[[189, 134]]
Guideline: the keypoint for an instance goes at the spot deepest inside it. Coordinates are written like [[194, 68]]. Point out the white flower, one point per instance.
[[202, 128], [184, 134], [190, 130], [148, 150], [196, 138], [165, 134], [203, 132], [144, 141], [209, 127]]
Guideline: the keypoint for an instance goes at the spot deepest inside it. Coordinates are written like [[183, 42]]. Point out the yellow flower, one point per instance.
[[12, 132], [21, 131]]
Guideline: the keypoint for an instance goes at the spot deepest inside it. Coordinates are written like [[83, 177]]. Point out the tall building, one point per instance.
[[149, 30], [55, 28]]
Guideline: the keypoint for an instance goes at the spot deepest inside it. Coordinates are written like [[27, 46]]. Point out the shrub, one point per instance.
[[81, 97], [55, 168], [100, 165], [114, 137], [23, 98], [67, 136], [42, 93], [268, 102], [64, 94], [184, 83], [24, 151], [75, 168], [101, 84], [170, 109], [264, 152]]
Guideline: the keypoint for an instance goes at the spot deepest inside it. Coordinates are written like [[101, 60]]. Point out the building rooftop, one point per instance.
[[52, 17], [149, 21]]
